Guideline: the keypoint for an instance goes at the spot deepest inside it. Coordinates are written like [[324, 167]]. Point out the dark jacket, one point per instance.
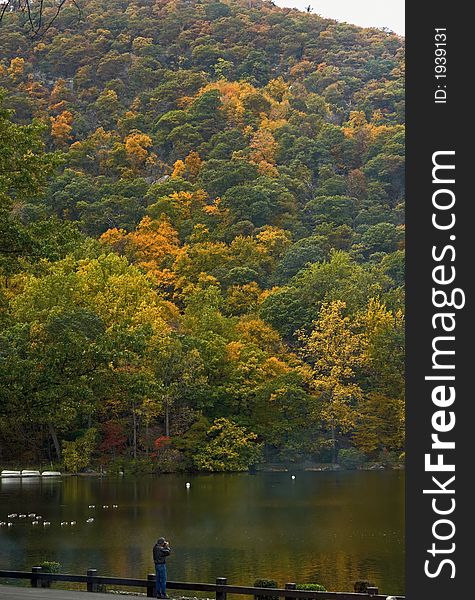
[[160, 553]]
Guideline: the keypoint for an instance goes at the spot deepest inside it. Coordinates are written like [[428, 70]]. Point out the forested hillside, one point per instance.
[[202, 211]]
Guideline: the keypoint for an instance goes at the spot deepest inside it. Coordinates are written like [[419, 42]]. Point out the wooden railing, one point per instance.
[[220, 589]]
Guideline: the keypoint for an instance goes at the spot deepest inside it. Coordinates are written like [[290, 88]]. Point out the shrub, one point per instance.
[[361, 587], [169, 460], [77, 454], [130, 466], [351, 458], [229, 447], [49, 566], [311, 587], [139, 466], [390, 459], [265, 583]]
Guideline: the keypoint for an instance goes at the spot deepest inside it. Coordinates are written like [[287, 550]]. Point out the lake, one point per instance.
[[323, 527]]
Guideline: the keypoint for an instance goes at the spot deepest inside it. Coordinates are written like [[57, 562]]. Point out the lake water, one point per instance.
[[329, 528]]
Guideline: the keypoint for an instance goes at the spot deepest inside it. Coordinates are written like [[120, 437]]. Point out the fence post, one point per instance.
[[220, 593], [290, 586], [34, 578], [151, 585], [372, 591], [91, 586]]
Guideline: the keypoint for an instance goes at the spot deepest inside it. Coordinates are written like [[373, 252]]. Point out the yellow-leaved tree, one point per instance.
[[335, 351], [380, 418], [61, 127], [16, 68], [137, 147], [153, 246]]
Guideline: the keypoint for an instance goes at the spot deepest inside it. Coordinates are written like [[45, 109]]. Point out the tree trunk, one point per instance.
[[167, 419], [134, 418], [334, 457], [54, 437]]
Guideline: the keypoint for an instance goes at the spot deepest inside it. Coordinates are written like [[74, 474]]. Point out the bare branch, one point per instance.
[[4, 9], [35, 12], [40, 17], [53, 19], [29, 15]]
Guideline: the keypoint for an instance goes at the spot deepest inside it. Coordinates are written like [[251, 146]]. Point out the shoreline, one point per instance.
[[323, 468]]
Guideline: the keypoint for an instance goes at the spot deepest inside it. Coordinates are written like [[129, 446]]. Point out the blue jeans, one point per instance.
[[161, 572]]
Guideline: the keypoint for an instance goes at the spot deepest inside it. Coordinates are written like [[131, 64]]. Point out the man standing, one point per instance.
[[160, 551]]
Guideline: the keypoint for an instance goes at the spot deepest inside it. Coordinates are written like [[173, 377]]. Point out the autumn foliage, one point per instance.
[[215, 272]]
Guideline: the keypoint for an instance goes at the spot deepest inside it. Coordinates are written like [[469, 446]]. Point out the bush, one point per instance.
[[229, 447], [351, 458], [390, 459], [265, 583], [77, 454], [361, 587], [130, 466], [170, 460], [49, 566], [311, 587]]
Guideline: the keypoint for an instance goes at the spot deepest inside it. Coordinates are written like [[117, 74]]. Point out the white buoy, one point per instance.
[[188, 484], [293, 476]]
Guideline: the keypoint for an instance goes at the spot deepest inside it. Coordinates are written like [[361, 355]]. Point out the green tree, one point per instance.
[[24, 170], [77, 454], [229, 447]]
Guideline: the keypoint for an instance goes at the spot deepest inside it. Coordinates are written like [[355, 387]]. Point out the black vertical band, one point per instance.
[[439, 361]]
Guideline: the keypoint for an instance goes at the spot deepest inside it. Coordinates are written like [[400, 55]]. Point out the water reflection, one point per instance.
[[331, 528]]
